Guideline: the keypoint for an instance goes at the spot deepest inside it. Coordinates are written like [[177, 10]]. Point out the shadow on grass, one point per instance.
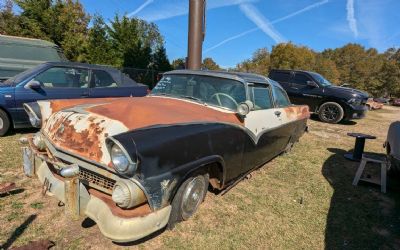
[[314, 117], [18, 231], [142, 240], [12, 192], [359, 217]]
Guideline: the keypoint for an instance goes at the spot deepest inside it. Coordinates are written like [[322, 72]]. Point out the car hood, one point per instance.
[[80, 127], [347, 91]]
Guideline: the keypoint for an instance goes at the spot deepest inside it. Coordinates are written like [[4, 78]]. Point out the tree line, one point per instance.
[[121, 42], [353, 65], [131, 42]]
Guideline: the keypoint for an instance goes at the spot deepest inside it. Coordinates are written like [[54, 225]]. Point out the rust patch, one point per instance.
[[141, 210], [86, 143], [297, 112], [141, 112]]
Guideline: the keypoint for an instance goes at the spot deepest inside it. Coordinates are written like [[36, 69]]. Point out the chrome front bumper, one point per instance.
[[81, 202]]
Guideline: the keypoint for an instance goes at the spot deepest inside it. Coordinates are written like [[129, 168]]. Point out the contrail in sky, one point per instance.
[[307, 8], [351, 18], [262, 22]]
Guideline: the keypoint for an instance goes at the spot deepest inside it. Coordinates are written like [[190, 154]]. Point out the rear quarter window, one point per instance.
[[281, 98], [280, 76]]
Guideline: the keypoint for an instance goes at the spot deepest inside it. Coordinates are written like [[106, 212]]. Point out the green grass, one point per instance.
[[302, 200]]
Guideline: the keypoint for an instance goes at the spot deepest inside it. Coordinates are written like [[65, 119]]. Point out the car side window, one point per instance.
[[261, 97], [102, 79], [280, 76], [281, 98], [63, 77], [301, 79]]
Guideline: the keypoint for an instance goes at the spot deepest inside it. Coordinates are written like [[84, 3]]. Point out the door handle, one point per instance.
[[277, 113]]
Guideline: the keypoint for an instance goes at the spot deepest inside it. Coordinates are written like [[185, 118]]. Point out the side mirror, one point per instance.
[[244, 108], [33, 84], [312, 84]]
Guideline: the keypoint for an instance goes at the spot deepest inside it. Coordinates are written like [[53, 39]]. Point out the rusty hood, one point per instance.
[[80, 127]]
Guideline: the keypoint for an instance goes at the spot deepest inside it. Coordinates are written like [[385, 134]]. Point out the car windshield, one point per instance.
[[225, 93], [321, 80]]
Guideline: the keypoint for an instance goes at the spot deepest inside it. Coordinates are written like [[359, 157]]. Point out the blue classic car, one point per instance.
[[60, 80]]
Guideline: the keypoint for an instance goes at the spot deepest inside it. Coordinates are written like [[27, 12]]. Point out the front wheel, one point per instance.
[[4, 123], [188, 198], [331, 112]]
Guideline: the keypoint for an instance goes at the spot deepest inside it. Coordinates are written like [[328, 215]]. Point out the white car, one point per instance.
[[392, 145]]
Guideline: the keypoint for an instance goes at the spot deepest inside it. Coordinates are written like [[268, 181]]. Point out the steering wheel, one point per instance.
[[218, 95]]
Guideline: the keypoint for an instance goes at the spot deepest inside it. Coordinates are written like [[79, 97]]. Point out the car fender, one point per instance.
[[168, 154]]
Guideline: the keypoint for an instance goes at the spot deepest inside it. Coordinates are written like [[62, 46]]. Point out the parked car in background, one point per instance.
[[144, 163], [373, 105], [396, 102], [392, 146], [382, 100], [18, 54], [332, 103], [60, 80]]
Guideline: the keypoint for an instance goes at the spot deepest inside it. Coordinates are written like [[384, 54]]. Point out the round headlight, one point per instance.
[[119, 159], [126, 194], [121, 195]]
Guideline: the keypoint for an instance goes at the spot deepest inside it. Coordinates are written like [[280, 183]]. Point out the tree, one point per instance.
[[327, 68], [99, 46], [210, 64], [134, 42], [62, 22], [259, 63], [9, 23], [290, 56], [179, 63], [160, 59], [71, 28]]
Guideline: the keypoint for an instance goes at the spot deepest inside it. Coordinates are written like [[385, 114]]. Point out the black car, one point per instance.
[[332, 103]]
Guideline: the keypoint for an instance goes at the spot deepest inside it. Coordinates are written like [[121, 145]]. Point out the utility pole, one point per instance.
[[197, 28]]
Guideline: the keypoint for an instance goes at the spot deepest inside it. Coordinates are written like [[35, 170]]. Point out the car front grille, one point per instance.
[[97, 181]]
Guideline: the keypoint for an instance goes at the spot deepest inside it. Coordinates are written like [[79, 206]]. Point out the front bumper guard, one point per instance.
[[78, 201], [125, 229]]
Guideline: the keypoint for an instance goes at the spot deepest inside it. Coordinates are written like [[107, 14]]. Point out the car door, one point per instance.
[[262, 123], [103, 84], [301, 92], [55, 83]]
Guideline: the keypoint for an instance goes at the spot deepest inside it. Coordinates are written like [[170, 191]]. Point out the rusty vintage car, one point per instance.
[[373, 105], [136, 165]]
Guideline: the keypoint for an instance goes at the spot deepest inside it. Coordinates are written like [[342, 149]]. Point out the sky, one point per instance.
[[237, 28]]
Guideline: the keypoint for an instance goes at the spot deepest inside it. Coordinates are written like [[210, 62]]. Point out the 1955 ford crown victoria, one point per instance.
[[135, 165]]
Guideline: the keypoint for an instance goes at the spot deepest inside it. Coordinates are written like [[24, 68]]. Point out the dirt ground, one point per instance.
[[301, 200]]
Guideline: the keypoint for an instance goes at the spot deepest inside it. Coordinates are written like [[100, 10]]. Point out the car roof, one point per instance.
[[25, 41], [241, 76], [81, 65], [293, 70]]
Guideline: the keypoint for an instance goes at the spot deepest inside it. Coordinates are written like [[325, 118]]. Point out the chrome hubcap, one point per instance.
[[1, 123], [330, 112], [193, 196]]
